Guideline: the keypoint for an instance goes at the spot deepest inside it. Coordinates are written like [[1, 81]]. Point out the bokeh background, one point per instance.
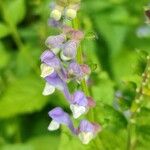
[[116, 44]]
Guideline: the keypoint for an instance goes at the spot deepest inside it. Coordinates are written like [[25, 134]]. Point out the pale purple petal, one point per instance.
[[74, 69], [87, 131], [80, 99], [58, 83], [54, 23], [58, 115], [69, 49], [86, 126], [55, 41], [46, 55], [49, 58]]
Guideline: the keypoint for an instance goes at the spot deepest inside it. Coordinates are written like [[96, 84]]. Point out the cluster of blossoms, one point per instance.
[[59, 67]]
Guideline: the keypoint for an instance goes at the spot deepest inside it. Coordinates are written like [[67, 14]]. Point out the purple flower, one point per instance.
[[76, 35], [69, 50], [50, 63], [77, 71], [54, 23], [59, 117], [80, 104], [53, 82], [55, 42], [73, 34], [87, 131], [74, 70], [59, 66], [85, 69]]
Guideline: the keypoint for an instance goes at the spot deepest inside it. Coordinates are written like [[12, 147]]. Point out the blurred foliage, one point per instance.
[[116, 45]]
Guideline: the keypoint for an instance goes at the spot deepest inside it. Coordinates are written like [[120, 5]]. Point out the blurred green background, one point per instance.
[[116, 44]]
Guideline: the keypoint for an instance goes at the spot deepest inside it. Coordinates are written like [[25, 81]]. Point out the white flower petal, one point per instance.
[[48, 90], [77, 110], [86, 137], [71, 13], [55, 50], [56, 14], [53, 126], [46, 70], [64, 57]]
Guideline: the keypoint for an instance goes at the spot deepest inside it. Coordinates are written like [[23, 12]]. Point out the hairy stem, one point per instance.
[[84, 85], [137, 104], [80, 59], [128, 136]]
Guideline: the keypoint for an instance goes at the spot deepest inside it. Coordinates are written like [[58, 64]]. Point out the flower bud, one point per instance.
[[54, 42], [74, 70], [69, 50], [85, 69], [91, 102], [56, 14], [53, 23], [71, 13]]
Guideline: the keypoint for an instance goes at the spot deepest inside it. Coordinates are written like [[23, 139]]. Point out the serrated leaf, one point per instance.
[[130, 59], [22, 96], [111, 140], [109, 117], [103, 88]]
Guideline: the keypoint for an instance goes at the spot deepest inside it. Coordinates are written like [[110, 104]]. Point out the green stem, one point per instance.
[[79, 58], [131, 140], [84, 86], [16, 36], [129, 136], [21, 47]]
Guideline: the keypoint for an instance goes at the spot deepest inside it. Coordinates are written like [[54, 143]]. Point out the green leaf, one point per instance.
[[113, 34], [113, 140], [143, 118], [37, 143], [103, 88], [96, 6], [130, 59], [109, 117], [17, 147], [4, 30], [45, 142], [144, 131], [24, 62], [15, 11], [22, 96]]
